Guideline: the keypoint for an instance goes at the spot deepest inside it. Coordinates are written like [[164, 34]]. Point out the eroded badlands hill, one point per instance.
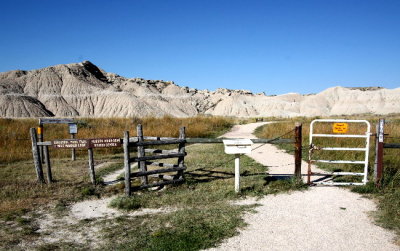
[[82, 89]]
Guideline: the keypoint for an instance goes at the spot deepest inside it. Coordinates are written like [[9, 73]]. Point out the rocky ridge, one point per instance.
[[84, 90]]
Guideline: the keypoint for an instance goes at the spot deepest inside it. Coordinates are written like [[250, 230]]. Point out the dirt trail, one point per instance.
[[321, 218], [278, 161]]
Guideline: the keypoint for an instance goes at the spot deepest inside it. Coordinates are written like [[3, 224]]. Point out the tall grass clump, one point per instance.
[[15, 141]]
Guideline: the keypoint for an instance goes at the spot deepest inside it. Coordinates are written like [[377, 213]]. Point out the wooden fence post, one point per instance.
[[181, 160], [298, 150], [141, 153], [40, 139], [127, 165], [91, 166], [378, 166], [73, 152], [48, 164], [36, 157]]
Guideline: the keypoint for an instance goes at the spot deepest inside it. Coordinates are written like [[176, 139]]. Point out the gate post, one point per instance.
[[73, 152], [378, 167], [48, 164], [36, 157], [40, 139], [298, 150], [141, 153], [181, 160], [91, 166], [127, 164]]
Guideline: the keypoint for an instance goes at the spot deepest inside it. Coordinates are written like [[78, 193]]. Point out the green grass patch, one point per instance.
[[186, 229]]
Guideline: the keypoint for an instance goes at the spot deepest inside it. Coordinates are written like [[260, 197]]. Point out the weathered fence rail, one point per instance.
[[141, 142], [214, 140], [40, 132], [143, 160], [391, 145]]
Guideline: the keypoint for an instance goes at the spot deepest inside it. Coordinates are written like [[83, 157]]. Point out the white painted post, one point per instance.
[[237, 173], [237, 147]]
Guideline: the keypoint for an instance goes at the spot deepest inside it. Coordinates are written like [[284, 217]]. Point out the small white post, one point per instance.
[[237, 147], [237, 172]]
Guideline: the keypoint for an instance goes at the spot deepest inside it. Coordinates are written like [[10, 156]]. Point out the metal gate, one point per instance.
[[341, 126]]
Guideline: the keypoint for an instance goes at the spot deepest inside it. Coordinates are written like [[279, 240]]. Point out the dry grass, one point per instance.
[[204, 219], [20, 190], [15, 141]]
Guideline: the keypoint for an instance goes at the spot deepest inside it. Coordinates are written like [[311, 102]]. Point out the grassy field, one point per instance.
[[389, 194], [17, 177], [202, 215], [15, 143]]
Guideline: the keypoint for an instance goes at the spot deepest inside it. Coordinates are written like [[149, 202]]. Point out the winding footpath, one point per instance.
[[321, 218]]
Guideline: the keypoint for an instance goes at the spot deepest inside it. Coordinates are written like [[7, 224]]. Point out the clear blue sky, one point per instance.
[[272, 46]]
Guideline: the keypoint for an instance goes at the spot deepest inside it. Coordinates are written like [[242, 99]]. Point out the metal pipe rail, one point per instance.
[[365, 149]]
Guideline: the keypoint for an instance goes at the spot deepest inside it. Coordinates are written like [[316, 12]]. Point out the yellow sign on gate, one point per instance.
[[340, 127]]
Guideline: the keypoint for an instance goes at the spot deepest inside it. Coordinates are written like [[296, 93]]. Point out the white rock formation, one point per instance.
[[84, 90]]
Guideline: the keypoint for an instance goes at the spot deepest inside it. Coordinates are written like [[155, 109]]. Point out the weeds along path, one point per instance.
[[320, 218]]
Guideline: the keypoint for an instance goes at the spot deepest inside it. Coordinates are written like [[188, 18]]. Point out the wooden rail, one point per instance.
[[150, 163], [167, 170], [141, 142], [154, 151], [391, 145], [190, 141], [163, 156], [158, 142]]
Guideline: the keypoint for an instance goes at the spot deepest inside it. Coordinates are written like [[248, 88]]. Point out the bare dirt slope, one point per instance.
[[321, 218], [85, 90]]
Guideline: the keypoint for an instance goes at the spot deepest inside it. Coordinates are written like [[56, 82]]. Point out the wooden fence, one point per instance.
[[141, 142], [145, 161]]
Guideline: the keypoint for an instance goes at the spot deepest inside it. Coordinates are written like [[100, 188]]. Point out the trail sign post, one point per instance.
[[73, 129], [73, 143], [237, 147]]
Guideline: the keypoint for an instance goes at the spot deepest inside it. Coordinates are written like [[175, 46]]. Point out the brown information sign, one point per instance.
[[105, 142], [87, 143], [70, 143], [340, 127]]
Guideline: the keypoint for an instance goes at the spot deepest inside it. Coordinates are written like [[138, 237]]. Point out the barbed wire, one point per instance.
[[272, 140], [391, 137], [13, 138], [291, 164]]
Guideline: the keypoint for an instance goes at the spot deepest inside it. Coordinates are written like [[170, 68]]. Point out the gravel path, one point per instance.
[[321, 218]]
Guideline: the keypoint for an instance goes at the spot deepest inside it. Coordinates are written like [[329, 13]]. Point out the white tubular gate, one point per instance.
[[364, 149]]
